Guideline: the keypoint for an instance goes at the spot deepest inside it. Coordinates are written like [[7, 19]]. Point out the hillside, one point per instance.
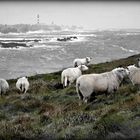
[[48, 111]]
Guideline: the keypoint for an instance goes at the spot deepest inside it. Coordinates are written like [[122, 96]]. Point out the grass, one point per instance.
[[48, 111]]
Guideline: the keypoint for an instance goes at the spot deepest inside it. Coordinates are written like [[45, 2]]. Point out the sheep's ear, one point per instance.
[[126, 67], [123, 70], [120, 70]]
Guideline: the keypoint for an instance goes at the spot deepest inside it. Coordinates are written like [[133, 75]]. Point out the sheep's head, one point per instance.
[[83, 67], [25, 77], [88, 59], [121, 72], [138, 62], [131, 67]]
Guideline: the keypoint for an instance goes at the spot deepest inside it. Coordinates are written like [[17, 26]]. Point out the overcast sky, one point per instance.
[[90, 15]]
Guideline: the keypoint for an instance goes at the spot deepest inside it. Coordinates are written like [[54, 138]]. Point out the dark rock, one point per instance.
[[37, 40], [67, 38], [12, 44]]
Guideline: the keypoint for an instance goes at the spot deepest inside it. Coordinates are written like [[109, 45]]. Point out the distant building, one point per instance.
[[38, 19]]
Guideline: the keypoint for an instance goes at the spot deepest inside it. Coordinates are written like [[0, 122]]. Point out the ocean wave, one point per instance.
[[45, 57], [127, 34], [10, 39], [54, 39], [12, 33], [15, 34], [43, 41], [79, 35], [13, 48], [52, 47], [36, 32], [126, 50], [92, 35]]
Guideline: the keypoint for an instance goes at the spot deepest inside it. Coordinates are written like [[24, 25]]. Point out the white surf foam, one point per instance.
[[7, 38], [36, 32], [53, 47], [15, 34], [128, 34], [126, 50]]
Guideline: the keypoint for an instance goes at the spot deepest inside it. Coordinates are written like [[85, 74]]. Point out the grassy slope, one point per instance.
[[48, 111]]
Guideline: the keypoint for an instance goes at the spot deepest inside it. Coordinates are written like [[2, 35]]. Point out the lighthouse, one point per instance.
[[37, 18]]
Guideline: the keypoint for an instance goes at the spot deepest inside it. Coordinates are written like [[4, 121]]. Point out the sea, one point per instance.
[[39, 52]]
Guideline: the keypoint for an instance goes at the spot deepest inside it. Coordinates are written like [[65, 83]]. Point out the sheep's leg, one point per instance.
[[0, 92], [19, 91], [70, 83], [65, 84], [63, 81], [86, 99], [80, 96], [25, 91]]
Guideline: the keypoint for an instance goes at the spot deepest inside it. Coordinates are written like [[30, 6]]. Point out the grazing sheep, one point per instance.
[[69, 75], [22, 84], [134, 74], [138, 62], [81, 61], [4, 86], [93, 84]]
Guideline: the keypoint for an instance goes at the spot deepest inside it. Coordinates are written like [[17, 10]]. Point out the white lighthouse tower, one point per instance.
[[38, 18]]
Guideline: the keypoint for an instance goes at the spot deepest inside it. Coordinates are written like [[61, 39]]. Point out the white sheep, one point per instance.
[[134, 74], [4, 86], [81, 61], [138, 62], [22, 84], [93, 84], [69, 75]]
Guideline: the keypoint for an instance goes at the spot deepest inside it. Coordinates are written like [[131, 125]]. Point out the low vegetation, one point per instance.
[[48, 111]]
